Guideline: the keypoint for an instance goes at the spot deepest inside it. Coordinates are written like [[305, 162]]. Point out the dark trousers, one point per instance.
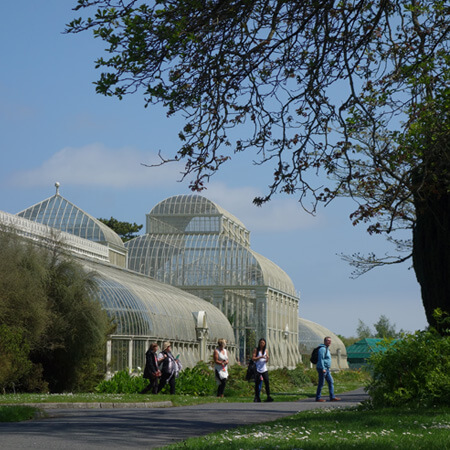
[[152, 385], [222, 383], [258, 384], [167, 378]]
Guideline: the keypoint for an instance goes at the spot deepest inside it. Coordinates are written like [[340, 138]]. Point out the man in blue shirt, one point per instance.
[[323, 369]]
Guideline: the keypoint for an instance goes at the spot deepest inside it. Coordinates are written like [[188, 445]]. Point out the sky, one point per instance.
[[55, 128]]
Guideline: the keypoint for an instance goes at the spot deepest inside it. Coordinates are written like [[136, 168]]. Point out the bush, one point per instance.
[[414, 370], [49, 297], [237, 385], [198, 381], [122, 383], [14, 351]]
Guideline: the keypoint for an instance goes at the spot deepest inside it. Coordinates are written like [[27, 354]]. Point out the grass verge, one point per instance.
[[177, 400], [18, 413], [394, 428]]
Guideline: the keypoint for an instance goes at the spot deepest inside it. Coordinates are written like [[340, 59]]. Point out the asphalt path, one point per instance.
[[145, 428]]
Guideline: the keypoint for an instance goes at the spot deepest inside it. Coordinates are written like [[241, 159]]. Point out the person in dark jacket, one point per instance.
[[151, 371], [323, 367]]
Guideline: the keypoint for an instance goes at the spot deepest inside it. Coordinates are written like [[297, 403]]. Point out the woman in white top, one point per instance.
[[261, 357], [221, 366]]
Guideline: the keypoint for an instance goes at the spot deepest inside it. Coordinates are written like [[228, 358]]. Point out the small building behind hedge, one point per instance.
[[361, 351]]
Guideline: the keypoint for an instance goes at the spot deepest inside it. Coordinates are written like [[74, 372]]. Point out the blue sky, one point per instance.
[[54, 127]]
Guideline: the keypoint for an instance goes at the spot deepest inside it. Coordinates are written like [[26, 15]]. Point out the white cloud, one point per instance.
[[281, 214], [96, 165]]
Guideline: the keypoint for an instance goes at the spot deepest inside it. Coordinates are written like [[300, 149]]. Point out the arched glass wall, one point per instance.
[[146, 310]]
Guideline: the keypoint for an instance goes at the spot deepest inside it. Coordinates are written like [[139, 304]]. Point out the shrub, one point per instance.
[[48, 295], [14, 351], [198, 380], [414, 370], [237, 385], [122, 383]]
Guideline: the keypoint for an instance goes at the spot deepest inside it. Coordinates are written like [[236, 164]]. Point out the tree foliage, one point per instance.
[[384, 329], [414, 370], [356, 91], [126, 230], [363, 331], [50, 315]]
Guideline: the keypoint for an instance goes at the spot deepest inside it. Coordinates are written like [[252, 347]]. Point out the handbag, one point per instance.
[[223, 374], [251, 371]]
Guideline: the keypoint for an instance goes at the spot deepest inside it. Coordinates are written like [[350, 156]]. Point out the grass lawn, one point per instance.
[[18, 413], [177, 400], [395, 428]]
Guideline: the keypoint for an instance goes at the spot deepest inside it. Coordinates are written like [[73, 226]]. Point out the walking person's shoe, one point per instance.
[[320, 400], [269, 399], [335, 399], [256, 400]]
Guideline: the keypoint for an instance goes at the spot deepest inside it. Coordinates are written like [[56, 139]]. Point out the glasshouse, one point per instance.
[[312, 334], [197, 246], [144, 309]]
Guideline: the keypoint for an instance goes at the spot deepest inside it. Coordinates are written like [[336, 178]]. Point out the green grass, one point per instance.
[[361, 428], [18, 413], [177, 400]]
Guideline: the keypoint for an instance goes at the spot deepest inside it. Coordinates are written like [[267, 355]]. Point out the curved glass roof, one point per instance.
[[311, 334], [59, 213], [146, 307], [189, 214], [197, 243]]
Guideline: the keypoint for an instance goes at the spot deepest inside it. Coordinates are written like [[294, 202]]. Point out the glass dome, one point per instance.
[[311, 334]]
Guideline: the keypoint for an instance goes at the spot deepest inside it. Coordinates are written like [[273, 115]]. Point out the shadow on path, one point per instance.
[[100, 429]]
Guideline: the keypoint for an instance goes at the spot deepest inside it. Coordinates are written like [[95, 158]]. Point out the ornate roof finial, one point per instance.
[[57, 187]]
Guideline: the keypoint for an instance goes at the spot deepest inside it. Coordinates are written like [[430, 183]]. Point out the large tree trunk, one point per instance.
[[431, 253]]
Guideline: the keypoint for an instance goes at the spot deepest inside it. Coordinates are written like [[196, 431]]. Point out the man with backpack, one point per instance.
[[323, 369]]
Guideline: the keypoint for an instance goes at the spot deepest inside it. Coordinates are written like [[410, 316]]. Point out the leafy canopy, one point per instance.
[[348, 89], [52, 326], [125, 230]]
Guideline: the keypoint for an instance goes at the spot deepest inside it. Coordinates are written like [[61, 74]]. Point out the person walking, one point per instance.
[[151, 371], [323, 367], [221, 366], [261, 358], [169, 368]]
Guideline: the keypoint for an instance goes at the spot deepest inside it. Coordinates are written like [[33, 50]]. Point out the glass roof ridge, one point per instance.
[[58, 212]]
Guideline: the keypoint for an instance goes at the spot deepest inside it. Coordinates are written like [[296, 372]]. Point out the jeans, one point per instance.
[[322, 377]]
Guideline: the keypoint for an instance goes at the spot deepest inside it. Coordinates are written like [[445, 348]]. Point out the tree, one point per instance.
[[384, 328], [14, 350], [355, 91], [125, 230], [363, 331], [51, 316]]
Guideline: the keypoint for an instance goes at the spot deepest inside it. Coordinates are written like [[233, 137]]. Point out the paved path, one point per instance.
[[144, 428]]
